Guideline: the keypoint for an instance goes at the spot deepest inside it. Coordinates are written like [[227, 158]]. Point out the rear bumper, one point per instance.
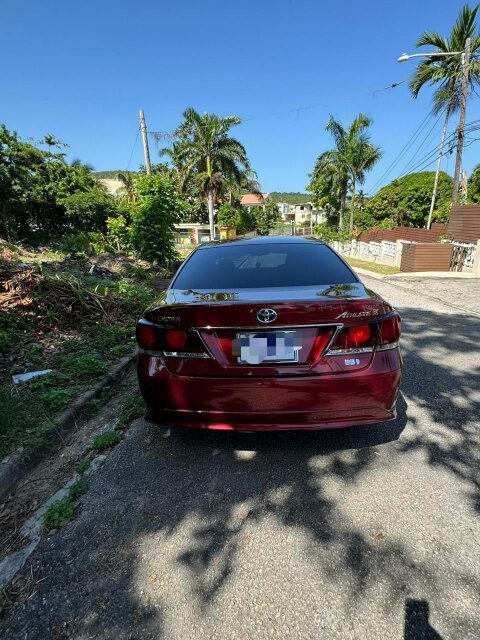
[[271, 404]]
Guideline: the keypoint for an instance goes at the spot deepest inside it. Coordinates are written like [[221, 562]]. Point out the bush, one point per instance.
[[329, 234], [153, 219], [119, 233], [135, 297], [266, 217], [82, 243], [89, 209], [241, 218], [76, 243]]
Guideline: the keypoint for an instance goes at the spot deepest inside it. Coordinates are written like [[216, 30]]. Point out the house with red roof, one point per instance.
[[250, 200]]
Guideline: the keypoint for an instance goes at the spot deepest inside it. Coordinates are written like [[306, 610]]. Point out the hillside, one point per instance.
[[290, 197], [110, 174]]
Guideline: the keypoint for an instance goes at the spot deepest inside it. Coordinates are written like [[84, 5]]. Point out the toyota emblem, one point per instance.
[[266, 315]]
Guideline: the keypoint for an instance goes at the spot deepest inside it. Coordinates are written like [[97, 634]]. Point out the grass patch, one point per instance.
[[62, 511], [54, 323], [56, 398], [78, 489], [59, 513], [82, 466], [384, 269], [105, 440], [85, 365], [132, 407]]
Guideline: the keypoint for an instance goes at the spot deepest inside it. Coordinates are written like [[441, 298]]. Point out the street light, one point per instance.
[[465, 60], [434, 54]]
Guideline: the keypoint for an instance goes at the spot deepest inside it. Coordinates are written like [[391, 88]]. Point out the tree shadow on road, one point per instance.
[[417, 626], [196, 497]]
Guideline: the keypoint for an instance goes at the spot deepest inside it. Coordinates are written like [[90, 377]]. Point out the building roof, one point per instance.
[[253, 198]]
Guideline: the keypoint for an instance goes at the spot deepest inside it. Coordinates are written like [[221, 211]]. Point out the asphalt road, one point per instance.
[[371, 533]]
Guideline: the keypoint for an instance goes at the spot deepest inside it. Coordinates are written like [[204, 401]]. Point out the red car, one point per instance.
[[268, 333]]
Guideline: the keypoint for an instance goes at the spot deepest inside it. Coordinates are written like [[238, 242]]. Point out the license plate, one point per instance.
[[267, 346]]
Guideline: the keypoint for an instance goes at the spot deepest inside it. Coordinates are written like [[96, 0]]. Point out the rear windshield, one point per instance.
[[263, 265]]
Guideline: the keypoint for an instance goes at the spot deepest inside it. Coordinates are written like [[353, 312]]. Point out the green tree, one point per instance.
[[329, 185], [34, 185], [345, 166], [154, 217], [206, 150], [474, 185], [266, 217], [239, 217], [233, 186], [127, 191], [89, 209], [446, 73], [407, 199], [355, 153]]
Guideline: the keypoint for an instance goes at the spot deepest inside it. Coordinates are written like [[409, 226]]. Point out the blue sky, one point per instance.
[[82, 71]]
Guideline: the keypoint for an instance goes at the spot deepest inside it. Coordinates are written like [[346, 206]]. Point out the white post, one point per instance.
[[476, 263], [398, 253]]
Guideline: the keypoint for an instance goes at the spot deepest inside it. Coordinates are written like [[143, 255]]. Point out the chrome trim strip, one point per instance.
[[149, 352], [185, 354], [272, 326], [173, 354], [210, 354], [387, 347], [342, 352]]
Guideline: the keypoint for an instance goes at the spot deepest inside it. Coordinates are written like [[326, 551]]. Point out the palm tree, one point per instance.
[[446, 74], [331, 175], [182, 176], [129, 192], [207, 150], [234, 185], [354, 155], [76, 162]]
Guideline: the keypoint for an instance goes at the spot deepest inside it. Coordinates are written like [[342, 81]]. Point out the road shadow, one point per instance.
[[417, 625], [198, 495]]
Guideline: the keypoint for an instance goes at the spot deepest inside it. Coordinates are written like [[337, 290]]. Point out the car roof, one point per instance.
[[263, 240]]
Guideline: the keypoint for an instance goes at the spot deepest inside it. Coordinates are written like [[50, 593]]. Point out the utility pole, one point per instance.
[[437, 172], [146, 150], [461, 124], [464, 187]]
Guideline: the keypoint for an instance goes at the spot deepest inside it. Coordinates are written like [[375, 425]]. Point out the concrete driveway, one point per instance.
[[371, 533]]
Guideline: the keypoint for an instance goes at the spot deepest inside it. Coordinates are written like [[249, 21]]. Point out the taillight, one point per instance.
[[360, 336], [146, 336], [174, 343], [368, 337], [320, 343], [176, 338], [391, 330]]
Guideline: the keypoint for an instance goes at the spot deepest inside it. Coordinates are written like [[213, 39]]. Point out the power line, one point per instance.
[[406, 168], [404, 150], [171, 134], [133, 149], [449, 146]]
